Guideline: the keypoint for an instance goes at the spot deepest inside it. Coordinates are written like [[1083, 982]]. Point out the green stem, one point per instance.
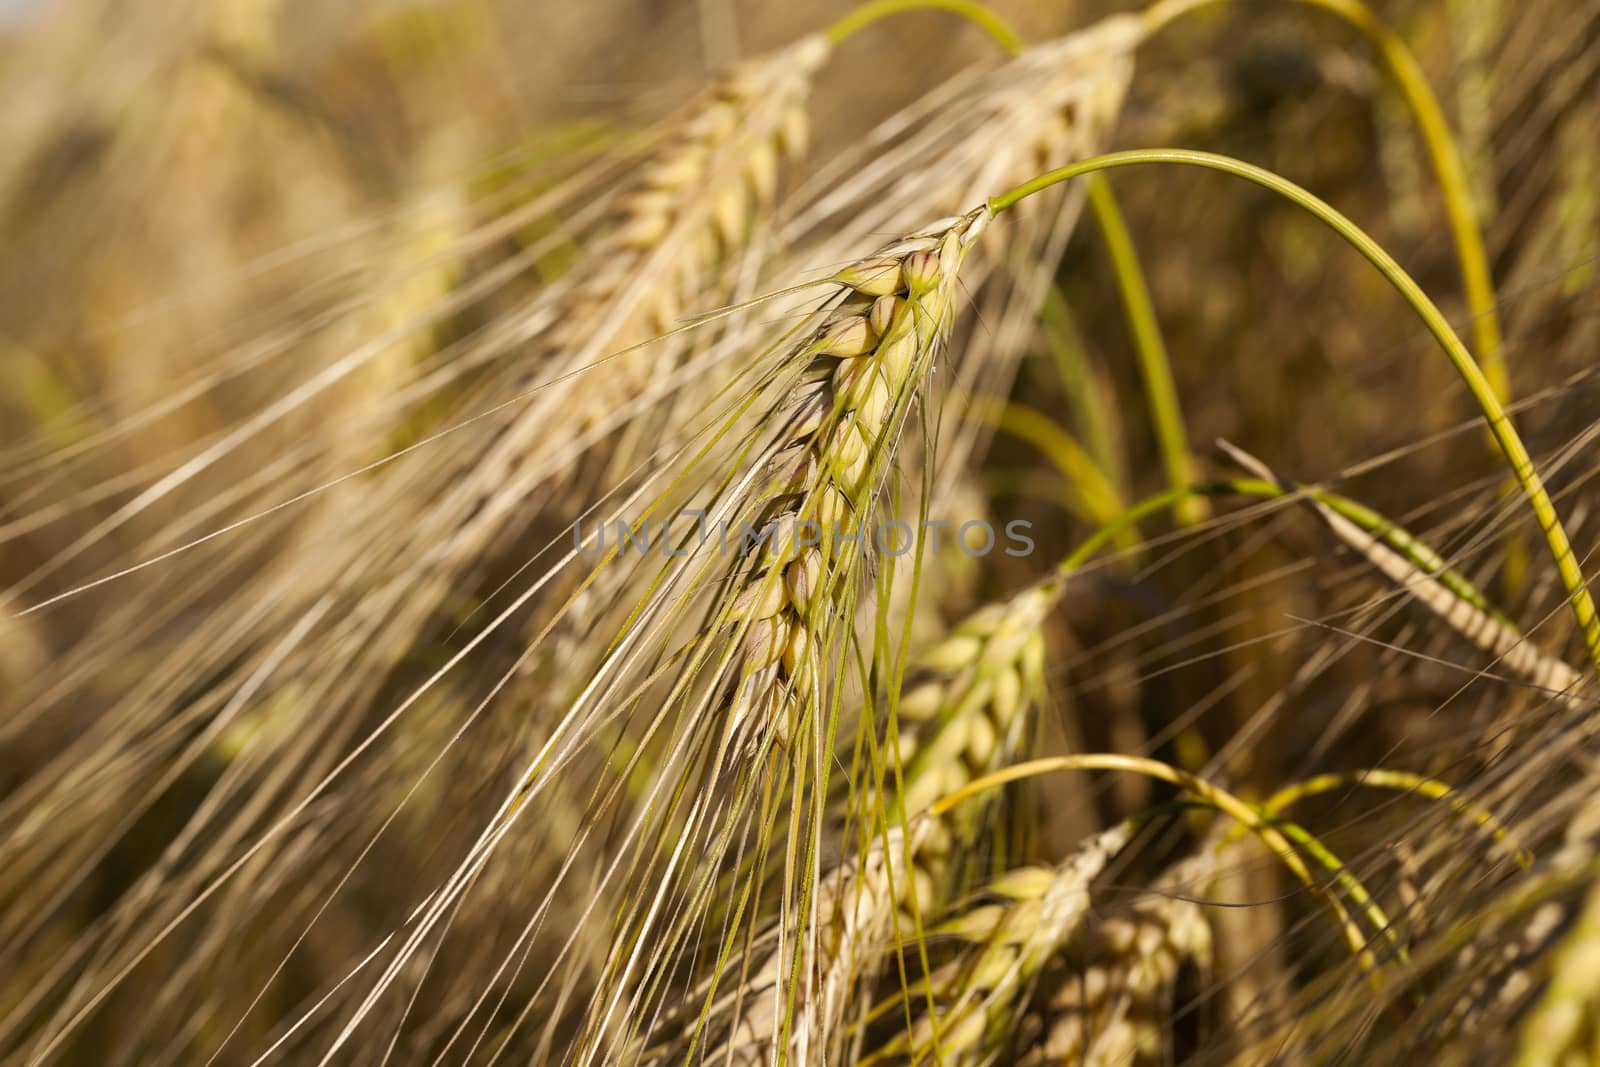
[[1400, 781], [1444, 154], [1212, 794], [1132, 517], [1500, 425], [1352, 886], [975, 13], [1161, 393]]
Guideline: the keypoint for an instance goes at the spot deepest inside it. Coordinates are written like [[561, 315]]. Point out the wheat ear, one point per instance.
[[969, 695], [866, 362], [862, 365], [856, 904], [987, 987], [1110, 1007], [839, 423], [1473, 621], [691, 209]]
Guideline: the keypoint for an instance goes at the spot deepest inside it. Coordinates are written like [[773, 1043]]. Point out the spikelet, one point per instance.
[[984, 991], [862, 367], [868, 359], [1056, 102]]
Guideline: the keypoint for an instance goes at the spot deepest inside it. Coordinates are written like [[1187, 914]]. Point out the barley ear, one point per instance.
[[979, 996], [864, 364], [1437, 588]]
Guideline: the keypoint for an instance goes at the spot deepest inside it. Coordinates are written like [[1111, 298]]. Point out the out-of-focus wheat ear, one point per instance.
[[1560, 1028], [1467, 615], [693, 208], [965, 713], [1513, 984], [966, 703], [607, 336], [1053, 103], [980, 995], [1112, 1005], [863, 366]]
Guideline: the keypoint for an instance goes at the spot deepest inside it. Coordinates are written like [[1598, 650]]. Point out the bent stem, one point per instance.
[[1500, 426], [1194, 785], [1404, 782], [975, 13], [1443, 153]]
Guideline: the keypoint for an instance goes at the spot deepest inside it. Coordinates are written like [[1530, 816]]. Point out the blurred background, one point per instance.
[[204, 205]]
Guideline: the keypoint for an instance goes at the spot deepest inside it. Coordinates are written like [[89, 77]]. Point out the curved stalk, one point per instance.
[[975, 13], [1500, 425], [1443, 153], [1198, 787]]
